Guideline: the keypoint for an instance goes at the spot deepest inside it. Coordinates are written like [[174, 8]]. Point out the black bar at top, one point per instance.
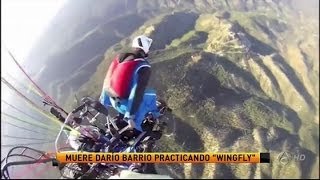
[[264, 157]]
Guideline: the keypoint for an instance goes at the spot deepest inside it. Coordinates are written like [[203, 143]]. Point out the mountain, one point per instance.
[[240, 75]]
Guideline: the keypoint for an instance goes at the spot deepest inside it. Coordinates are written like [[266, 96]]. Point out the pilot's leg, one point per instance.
[[148, 104]]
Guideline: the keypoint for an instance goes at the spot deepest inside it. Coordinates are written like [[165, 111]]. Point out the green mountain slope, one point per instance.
[[240, 76]]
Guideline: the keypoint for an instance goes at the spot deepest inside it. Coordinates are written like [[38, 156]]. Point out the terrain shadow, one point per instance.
[[272, 78], [282, 141], [264, 49], [292, 76], [174, 26], [188, 138], [204, 84], [210, 60], [308, 163], [256, 45], [223, 171], [284, 111]]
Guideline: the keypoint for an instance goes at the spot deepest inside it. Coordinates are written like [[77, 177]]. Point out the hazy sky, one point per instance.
[[22, 22]]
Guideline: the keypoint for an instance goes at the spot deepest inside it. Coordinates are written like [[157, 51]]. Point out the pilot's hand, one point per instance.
[[130, 121]]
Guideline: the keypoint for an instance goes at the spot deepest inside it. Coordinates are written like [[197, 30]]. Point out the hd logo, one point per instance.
[[286, 157]]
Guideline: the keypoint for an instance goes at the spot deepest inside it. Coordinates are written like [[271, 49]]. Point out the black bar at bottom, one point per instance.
[[264, 157]]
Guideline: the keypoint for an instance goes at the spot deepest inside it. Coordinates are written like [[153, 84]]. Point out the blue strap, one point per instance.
[[134, 87]]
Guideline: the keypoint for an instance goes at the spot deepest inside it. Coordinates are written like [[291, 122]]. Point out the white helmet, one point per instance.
[[142, 42]]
